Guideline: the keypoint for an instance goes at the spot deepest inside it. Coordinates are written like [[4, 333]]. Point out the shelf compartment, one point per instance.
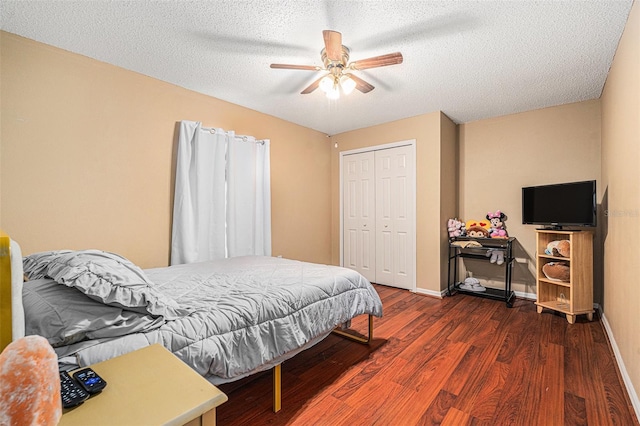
[[490, 293], [503, 243], [552, 292], [473, 256], [543, 260], [547, 236]]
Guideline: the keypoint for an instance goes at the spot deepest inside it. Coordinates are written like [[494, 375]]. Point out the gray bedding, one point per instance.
[[226, 318]]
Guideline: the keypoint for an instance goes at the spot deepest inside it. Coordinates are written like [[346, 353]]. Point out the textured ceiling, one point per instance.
[[469, 59]]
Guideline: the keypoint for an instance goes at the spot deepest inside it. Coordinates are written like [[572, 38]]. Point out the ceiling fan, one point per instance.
[[338, 71]]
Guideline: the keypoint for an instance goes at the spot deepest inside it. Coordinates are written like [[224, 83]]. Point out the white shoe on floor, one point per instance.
[[472, 284]]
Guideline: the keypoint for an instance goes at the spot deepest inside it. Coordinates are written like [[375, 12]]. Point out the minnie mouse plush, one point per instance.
[[497, 229]]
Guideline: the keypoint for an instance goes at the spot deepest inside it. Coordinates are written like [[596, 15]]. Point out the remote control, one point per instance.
[[72, 394], [89, 380]]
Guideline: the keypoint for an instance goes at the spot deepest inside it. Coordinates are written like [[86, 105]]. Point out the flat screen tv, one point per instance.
[[556, 206]]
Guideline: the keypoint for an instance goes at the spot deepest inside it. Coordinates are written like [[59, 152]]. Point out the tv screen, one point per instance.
[[565, 204]]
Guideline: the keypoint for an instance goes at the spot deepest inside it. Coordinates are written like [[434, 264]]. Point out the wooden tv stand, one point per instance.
[[574, 297]]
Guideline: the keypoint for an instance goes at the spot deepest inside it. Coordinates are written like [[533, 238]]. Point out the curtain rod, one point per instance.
[[212, 130]]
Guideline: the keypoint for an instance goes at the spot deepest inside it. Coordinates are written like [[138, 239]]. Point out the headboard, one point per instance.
[[11, 309]]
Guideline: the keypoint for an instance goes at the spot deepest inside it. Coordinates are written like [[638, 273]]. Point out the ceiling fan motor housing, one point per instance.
[[335, 67]]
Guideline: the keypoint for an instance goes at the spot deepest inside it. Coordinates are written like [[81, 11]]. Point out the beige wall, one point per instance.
[[449, 172], [621, 181], [88, 154], [499, 156], [427, 131]]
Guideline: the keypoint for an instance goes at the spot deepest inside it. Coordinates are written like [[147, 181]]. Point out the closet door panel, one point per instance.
[[394, 217], [359, 213]]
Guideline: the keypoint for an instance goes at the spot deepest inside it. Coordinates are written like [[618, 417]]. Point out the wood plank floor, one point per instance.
[[461, 360]]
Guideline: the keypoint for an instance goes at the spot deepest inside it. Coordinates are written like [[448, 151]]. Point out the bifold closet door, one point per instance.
[[395, 210], [379, 215], [359, 247]]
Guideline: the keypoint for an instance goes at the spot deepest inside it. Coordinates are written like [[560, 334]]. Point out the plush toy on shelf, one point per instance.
[[557, 271], [456, 228], [497, 228], [478, 228], [496, 255], [560, 248]]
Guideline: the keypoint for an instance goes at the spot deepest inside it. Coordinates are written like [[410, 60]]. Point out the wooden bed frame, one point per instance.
[[6, 333], [6, 317]]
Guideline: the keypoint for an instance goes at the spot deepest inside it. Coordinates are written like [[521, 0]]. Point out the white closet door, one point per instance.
[[395, 236], [359, 213]]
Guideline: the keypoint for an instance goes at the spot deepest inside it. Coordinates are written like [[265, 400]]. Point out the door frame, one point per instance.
[[411, 143]]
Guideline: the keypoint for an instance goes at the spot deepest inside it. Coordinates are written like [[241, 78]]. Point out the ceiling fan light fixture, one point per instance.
[[334, 92], [347, 84], [326, 84]]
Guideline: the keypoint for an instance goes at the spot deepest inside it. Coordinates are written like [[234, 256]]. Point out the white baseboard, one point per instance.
[[432, 293], [623, 370], [521, 295]]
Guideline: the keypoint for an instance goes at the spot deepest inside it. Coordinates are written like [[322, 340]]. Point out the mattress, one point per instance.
[[225, 318]]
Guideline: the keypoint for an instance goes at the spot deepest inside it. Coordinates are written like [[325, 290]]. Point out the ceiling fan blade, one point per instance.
[[377, 61], [313, 86], [361, 85], [333, 44], [296, 67]]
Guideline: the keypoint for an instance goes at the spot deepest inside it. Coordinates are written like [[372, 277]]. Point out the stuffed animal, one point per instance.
[[557, 271], [559, 248], [496, 255], [497, 229], [29, 383], [478, 228], [455, 228]]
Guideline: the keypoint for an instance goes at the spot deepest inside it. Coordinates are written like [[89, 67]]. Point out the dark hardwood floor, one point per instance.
[[458, 361]]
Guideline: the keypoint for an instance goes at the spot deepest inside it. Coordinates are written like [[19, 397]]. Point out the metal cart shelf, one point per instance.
[[456, 251]]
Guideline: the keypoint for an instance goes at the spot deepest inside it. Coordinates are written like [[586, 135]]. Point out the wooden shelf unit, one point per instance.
[[576, 296]]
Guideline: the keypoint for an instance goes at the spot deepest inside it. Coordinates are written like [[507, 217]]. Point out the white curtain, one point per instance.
[[248, 197], [198, 232], [222, 204]]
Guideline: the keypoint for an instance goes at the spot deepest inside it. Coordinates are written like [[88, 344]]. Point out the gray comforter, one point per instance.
[[226, 318]]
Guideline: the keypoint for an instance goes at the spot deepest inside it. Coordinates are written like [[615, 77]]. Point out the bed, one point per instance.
[[227, 319]]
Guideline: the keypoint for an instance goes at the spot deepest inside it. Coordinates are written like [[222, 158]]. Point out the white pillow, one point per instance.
[[106, 277], [63, 315]]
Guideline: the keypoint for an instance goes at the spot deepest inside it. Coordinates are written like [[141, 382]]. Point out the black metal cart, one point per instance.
[[456, 251]]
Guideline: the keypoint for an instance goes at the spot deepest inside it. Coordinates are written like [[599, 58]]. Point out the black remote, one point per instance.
[[72, 394], [89, 380]]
